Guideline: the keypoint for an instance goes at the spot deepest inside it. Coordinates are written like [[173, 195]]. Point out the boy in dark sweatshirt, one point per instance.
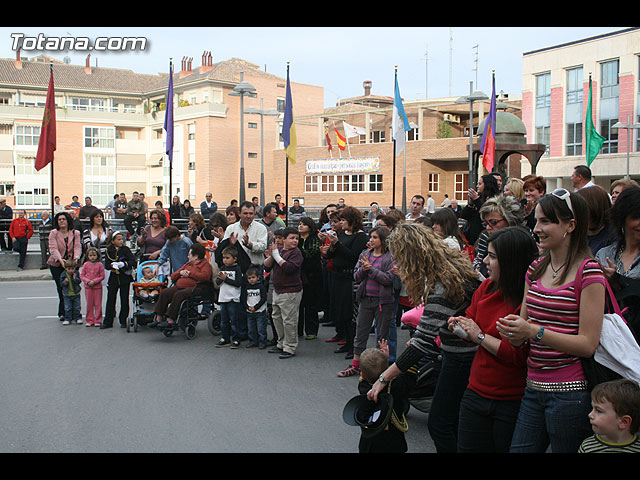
[[287, 284], [70, 280], [254, 301]]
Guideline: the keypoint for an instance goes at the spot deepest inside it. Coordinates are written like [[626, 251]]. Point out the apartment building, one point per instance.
[[555, 94], [110, 135]]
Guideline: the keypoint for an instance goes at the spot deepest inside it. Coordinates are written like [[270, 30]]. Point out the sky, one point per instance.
[[338, 58]]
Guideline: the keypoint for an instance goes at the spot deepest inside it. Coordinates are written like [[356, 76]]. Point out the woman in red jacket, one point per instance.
[[490, 404], [20, 232], [197, 269]]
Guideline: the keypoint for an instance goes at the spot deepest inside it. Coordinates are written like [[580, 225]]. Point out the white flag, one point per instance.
[[351, 131]]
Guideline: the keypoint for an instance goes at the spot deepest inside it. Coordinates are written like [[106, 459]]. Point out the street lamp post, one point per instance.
[[472, 97], [628, 127], [240, 90], [262, 113]]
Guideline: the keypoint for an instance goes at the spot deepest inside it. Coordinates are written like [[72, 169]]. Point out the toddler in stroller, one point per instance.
[[147, 286]]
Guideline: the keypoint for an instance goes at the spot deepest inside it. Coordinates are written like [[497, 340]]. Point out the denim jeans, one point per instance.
[[72, 308], [257, 325], [486, 425], [445, 406], [557, 419], [20, 246], [229, 314]]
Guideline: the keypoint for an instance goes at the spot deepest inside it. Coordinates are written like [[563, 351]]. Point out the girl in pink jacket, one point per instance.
[[92, 275]]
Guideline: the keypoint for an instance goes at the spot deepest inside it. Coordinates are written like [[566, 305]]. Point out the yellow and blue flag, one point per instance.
[[289, 126]]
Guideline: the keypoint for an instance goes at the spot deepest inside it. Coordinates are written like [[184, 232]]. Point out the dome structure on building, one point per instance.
[[509, 128]]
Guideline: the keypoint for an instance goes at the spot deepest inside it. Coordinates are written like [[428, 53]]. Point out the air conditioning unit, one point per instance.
[[448, 117]]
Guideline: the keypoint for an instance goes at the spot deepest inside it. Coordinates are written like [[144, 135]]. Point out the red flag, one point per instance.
[[47, 143], [489, 136], [326, 134]]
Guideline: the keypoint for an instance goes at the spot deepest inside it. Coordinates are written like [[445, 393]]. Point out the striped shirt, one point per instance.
[[372, 288], [557, 309], [595, 444]]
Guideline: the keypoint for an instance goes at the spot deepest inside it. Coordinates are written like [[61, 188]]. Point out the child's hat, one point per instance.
[[370, 416]]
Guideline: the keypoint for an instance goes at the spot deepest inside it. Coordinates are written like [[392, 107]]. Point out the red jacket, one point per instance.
[[20, 227], [198, 272], [501, 376]]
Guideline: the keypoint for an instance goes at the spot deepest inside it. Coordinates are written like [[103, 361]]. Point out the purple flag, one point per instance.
[[168, 117]]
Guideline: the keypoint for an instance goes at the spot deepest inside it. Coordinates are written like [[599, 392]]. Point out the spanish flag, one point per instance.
[[342, 142], [289, 126]]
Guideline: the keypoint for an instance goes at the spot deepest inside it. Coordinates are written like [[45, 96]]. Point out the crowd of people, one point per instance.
[[509, 289]]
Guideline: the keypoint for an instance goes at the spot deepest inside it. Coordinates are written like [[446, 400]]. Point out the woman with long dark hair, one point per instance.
[[97, 234], [312, 282], [490, 404]]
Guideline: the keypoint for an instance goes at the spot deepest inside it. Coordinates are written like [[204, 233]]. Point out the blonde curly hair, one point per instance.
[[424, 259]]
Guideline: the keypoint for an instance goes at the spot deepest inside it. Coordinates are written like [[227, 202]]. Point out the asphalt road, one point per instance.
[[78, 389]]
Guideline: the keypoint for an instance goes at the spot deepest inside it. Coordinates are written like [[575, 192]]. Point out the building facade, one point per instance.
[[555, 94], [110, 136]]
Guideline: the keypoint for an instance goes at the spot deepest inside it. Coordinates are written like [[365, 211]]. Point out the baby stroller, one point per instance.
[[145, 296], [422, 392]]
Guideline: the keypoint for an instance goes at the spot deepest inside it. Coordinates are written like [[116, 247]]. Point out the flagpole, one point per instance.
[[170, 159], [393, 199], [286, 182], [51, 165]]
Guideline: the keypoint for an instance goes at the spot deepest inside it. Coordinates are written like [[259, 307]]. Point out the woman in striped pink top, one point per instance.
[[561, 318]]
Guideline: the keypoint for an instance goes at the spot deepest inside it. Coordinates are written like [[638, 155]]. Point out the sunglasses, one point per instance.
[[492, 222], [565, 195]]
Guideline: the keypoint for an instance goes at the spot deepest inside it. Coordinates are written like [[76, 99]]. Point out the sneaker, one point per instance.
[[79, 322], [310, 337], [223, 343], [262, 347], [235, 344], [250, 345], [88, 324], [350, 371], [287, 355], [66, 322], [276, 349]]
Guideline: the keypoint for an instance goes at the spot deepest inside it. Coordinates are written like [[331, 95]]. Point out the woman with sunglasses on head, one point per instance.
[[490, 404], [561, 327]]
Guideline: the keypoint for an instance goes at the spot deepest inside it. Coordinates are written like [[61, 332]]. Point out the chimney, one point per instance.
[[87, 67], [210, 58], [18, 61], [186, 67], [367, 87], [206, 62]]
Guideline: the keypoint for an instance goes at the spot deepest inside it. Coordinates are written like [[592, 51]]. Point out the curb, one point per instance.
[[25, 275]]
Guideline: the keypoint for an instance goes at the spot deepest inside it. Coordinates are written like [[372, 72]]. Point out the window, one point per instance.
[[434, 182], [100, 178], [375, 182], [85, 104], [6, 189], [32, 198], [27, 135], [252, 155], [343, 183], [609, 105], [461, 185], [99, 137], [252, 125], [25, 166], [573, 140], [377, 136], [192, 131], [543, 109]]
